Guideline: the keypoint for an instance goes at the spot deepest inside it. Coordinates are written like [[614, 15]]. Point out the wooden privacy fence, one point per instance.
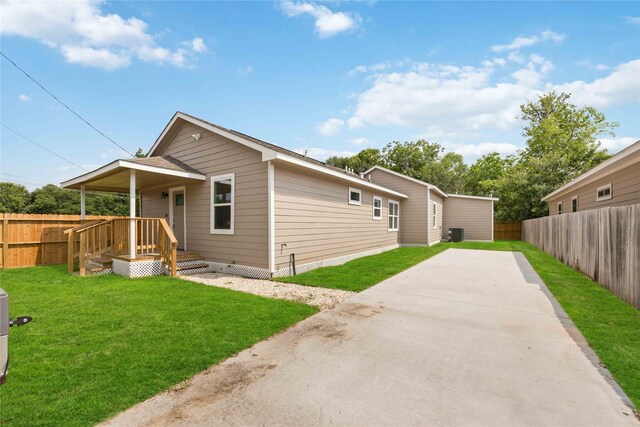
[[602, 243], [507, 230], [29, 240]]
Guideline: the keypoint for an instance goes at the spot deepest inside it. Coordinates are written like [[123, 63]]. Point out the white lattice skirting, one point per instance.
[[138, 268]]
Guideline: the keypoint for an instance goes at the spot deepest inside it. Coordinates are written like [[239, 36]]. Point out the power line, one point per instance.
[[25, 177], [65, 105], [43, 147]]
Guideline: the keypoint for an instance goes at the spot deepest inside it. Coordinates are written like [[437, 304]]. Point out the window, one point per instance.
[[559, 208], [394, 215], [377, 207], [179, 199], [604, 193], [574, 204], [222, 204], [434, 215], [355, 196]]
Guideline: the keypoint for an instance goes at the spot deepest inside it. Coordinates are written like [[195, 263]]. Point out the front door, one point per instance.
[[177, 216]]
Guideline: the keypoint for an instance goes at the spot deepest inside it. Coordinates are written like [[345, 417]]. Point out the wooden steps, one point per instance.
[[190, 262]]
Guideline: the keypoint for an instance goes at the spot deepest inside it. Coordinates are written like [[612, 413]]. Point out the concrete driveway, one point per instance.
[[465, 338]]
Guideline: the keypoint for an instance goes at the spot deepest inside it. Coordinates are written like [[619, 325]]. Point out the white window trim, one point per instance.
[[607, 197], [559, 208], [353, 202], [213, 230], [577, 205], [389, 215], [373, 208], [434, 215]]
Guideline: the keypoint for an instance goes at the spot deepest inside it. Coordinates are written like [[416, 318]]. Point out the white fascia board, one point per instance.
[[464, 196], [408, 178], [593, 174], [130, 165], [336, 174]]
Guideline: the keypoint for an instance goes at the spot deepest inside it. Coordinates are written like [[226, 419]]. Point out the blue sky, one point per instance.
[[330, 77]]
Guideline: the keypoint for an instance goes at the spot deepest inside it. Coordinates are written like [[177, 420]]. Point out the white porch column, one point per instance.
[[83, 212], [132, 213]]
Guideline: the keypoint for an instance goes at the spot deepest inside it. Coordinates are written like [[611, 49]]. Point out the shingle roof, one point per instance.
[[166, 162]]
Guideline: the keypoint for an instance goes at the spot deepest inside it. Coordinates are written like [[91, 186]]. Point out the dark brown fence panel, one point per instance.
[[29, 240], [507, 230], [602, 243]]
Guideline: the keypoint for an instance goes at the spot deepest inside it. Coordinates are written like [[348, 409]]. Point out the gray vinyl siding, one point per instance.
[[625, 188], [314, 219], [413, 221], [215, 155], [435, 234], [474, 215]]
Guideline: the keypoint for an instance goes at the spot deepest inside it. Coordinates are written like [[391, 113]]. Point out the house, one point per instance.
[[214, 199], [614, 182]]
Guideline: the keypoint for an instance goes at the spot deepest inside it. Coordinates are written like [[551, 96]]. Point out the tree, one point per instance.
[[483, 174], [411, 158], [52, 199], [561, 144], [13, 197], [140, 153], [360, 162]]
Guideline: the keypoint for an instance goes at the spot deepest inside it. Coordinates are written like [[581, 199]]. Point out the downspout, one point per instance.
[[428, 216], [271, 217]]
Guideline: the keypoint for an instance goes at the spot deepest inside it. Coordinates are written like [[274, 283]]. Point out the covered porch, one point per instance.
[[131, 246]]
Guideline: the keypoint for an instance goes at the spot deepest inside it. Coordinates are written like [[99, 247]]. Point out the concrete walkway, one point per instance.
[[465, 338]]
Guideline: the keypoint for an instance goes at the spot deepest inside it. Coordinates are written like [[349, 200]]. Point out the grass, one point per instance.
[[98, 345], [610, 325], [362, 273]]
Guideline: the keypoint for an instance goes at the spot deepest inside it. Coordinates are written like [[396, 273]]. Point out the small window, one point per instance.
[[355, 196], [179, 199], [559, 208], [222, 204], [574, 204], [604, 193], [434, 215], [394, 215], [377, 207]]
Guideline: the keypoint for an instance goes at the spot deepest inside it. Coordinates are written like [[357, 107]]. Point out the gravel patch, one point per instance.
[[322, 298]]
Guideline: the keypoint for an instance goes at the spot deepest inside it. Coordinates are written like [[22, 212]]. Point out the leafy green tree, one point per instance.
[[140, 153], [411, 158], [360, 162], [562, 143], [481, 178], [13, 197], [52, 199]]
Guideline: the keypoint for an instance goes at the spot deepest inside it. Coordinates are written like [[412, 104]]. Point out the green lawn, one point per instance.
[[610, 325], [362, 273], [98, 345]]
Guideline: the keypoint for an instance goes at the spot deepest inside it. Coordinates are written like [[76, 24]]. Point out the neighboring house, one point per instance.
[[614, 182], [252, 208]]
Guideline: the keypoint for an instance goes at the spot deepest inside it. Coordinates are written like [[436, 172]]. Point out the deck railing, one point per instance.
[[104, 238]]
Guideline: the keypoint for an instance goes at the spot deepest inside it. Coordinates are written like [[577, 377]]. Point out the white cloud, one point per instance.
[[614, 145], [197, 45], [328, 23], [520, 42], [245, 70], [621, 86], [635, 20], [24, 98], [84, 34], [447, 100], [380, 66], [602, 67], [330, 127], [359, 141], [323, 154]]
